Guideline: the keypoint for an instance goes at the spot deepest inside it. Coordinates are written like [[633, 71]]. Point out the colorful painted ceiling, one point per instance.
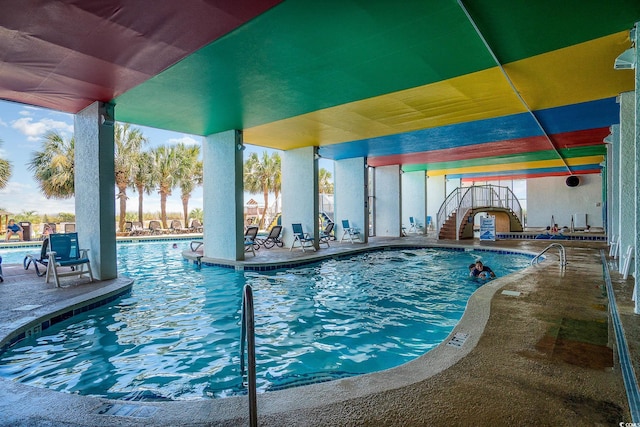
[[470, 88]]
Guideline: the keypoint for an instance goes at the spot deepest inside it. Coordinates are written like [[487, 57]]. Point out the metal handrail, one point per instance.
[[248, 334], [563, 255], [463, 199]]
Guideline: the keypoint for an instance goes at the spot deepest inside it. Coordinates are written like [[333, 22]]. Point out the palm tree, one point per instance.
[[53, 167], [189, 174], [325, 184], [5, 171], [165, 175], [128, 143], [263, 174], [143, 178]]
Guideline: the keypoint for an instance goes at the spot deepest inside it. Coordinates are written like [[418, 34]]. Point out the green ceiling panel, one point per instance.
[[513, 27]]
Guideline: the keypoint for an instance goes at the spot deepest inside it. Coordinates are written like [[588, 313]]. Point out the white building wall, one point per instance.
[[387, 198], [300, 192], [414, 198], [436, 194], [551, 196], [350, 195]]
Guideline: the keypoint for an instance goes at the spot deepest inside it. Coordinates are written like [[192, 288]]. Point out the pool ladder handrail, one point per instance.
[[248, 334], [562, 254]]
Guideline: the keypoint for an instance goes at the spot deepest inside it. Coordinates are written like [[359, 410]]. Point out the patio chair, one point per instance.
[[176, 227], [155, 227], [348, 231], [325, 235], [301, 237], [137, 229], [196, 226], [65, 252], [250, 242], [273, 239], [41, 258]]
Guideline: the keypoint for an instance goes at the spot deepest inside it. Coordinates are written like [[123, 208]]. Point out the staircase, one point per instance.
[[455, 217]]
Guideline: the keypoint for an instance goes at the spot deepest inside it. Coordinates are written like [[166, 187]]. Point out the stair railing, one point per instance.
[[463, 199], [247, 333], [561, 253]]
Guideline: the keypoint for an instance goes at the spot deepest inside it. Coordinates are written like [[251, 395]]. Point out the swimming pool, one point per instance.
[[178, 336]]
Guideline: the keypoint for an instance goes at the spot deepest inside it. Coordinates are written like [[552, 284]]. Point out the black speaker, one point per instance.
[[573, 181]]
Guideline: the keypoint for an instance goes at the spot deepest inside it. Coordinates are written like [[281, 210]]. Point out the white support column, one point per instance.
[[414, 198], [436, 194], [351, 195], [636, 193], [388, 195], [223, 189], [300, 192], [614, 190], [95, 187], [627, 175]]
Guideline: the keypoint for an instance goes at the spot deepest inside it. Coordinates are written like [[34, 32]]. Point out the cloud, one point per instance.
[[14, 200], [185, 139], [35, 130]]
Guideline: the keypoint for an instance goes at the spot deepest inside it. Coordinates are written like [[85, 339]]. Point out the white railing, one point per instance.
[[463, 199]]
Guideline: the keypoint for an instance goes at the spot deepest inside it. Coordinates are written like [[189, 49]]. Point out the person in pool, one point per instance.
[[481, 270]]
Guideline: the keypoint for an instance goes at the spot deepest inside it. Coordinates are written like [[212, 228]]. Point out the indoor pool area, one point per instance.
[[535, 342]]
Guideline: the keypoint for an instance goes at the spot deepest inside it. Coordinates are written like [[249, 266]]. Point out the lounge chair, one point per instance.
[[250, 241], [155, 227], [196, 226], [273, 239], [176, 227], [41, 258], [137, 229], [348, 231], [325, 235], [301, 237], [65, 252], [414, 226], [128, 227]]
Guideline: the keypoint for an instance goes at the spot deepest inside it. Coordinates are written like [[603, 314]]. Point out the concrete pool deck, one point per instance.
[[534, 348]]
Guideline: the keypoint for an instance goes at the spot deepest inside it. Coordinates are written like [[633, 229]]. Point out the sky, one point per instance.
[[22, 130]]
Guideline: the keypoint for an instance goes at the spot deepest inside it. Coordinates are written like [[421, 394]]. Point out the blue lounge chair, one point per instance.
[[301, 237], [250, 242], [348, 231], [41, 258], [65, 252], [326, 235]]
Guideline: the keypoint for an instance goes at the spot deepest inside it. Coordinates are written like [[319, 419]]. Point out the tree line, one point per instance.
[[162, 169]]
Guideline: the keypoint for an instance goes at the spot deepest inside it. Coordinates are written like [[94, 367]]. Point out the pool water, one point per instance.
[[177, 336]]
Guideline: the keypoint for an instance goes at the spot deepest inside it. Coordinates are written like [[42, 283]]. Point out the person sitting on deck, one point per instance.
[[13, 229]]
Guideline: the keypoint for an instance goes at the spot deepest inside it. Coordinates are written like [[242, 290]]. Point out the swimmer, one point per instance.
[[481, 270], [471, 268], [175, 246]]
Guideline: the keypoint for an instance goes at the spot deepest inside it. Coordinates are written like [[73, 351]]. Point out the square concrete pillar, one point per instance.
[[300, 192], [223, 193], [351, 196], [95, 187], [388, 194]]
